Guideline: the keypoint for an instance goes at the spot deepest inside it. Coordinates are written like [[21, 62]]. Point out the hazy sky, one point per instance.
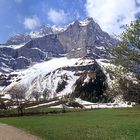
[[20, 16]]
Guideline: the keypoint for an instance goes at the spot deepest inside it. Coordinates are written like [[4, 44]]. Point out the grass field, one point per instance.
[[101, 124]]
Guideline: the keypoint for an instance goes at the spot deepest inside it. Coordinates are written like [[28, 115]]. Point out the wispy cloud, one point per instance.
[[31, 22], [112, 14], [57, 16], [7, 26]]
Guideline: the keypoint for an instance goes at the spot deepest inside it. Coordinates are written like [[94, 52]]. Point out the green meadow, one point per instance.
[[99, 124]]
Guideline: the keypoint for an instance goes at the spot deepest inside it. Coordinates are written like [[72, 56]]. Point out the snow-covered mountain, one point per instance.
[[24, 38], [78, 39], [56, 62], [57, 78]]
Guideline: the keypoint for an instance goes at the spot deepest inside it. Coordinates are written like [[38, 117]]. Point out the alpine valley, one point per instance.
[[53, 63]]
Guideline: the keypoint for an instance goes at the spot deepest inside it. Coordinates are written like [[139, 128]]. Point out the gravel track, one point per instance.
[[11, 133]]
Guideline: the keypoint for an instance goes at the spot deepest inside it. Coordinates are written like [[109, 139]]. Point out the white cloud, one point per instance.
[[57, 16], [138, 1], [112, 14], [18, 1], [31, 22]]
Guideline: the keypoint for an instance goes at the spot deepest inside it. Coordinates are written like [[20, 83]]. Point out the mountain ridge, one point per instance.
[[43, 31], [78, 39]]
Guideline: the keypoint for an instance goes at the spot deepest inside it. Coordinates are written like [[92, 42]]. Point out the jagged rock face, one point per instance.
[[48, 43], [79, 39], [9, 58], [6, 79], [98, 42], [18, 39], [7, 52], [91, 88], [20, 63], [73, 39]]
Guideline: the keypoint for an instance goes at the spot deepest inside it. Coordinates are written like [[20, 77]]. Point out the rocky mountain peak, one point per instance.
[[78, 39], [43, 31]]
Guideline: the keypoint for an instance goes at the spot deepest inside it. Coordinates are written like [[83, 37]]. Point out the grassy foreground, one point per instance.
[[101, 124]]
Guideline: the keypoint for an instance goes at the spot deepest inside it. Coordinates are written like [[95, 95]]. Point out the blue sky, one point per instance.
[[20, 16]]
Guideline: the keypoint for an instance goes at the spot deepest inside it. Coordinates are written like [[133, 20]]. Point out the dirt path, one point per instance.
[[11, 133]]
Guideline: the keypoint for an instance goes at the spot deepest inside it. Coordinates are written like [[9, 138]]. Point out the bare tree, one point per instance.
[[36, 94], [46, 93], [17, 94], [2, 102]]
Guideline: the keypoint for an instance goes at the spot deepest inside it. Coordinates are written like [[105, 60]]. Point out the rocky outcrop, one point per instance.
[[19, 39], [49, 43]]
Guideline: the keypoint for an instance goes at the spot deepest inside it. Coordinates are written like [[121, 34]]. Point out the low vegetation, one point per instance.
[[99, 124]]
